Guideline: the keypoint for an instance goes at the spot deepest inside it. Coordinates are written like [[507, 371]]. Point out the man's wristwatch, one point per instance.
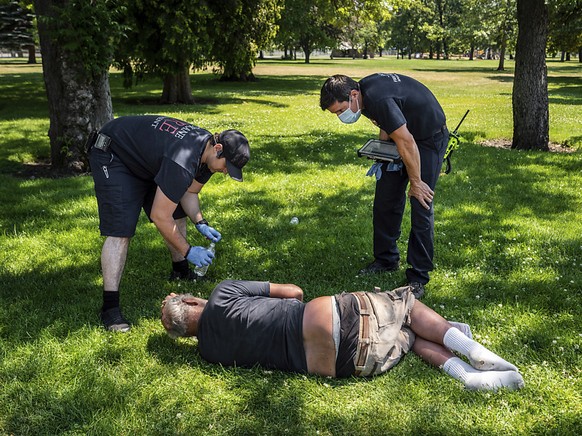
[[202, 221]]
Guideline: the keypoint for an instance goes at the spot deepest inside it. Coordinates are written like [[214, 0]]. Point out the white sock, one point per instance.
[[479, 356], [464, 328], [474, 379]]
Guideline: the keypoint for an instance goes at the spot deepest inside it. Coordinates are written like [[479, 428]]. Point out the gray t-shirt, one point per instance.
[[241, 325]]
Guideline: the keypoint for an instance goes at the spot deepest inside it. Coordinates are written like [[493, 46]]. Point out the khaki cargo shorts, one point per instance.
[[385, 334]]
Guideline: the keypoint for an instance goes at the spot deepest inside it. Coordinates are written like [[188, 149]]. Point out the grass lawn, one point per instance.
[[508, 262]]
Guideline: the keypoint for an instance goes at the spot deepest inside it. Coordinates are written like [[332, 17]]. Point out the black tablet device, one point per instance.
[[380, 150]]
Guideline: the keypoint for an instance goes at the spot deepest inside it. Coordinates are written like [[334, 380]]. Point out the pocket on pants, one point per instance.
[[110, 206]]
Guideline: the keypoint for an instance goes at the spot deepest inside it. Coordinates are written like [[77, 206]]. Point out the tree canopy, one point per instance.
[[239, 28]]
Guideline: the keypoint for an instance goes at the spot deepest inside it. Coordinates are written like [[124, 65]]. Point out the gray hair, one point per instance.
[[176, 314]]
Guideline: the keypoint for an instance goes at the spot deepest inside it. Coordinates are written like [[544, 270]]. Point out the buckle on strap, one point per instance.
[[102, 142], [364, 333]]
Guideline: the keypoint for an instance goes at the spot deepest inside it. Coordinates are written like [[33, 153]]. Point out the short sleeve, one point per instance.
[[173, 180], [388, 115], [246, 288], [203, 175]]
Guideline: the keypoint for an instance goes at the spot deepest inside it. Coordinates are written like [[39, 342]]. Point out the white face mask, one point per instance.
[[348, 116]]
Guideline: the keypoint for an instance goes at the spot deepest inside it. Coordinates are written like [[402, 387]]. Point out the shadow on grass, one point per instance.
[[275, 399], [38, 304], [322, 253], [207, 86]]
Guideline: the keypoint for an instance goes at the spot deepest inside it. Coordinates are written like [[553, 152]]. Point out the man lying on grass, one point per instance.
[[246, 323]]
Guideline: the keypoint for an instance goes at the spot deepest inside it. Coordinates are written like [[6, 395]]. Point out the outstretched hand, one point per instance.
[[209, 232], [422, 192]]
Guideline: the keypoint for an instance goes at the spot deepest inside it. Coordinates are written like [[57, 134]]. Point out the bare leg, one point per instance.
[[113, 256], [429, 325], [431, 353], [181, 224]]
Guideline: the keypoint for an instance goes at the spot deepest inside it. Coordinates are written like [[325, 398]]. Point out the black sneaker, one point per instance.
[[114, 321], [417, 289], [189, 276], [377, 267]]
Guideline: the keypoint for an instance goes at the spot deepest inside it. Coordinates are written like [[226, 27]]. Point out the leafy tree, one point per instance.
[[472, 31], [238, 29], [565, 34], [530, 85], [364, 24], [409, 27], [17, 29], [309, 25], [166, 39], [501, 23], [507, 31], [76, 40]]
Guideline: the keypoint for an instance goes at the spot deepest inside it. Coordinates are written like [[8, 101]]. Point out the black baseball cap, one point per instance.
[[236, 150]]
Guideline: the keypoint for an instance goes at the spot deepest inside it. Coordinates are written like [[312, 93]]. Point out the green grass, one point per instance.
[[508, 262]]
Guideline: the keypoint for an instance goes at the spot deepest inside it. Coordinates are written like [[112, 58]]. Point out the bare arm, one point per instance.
[[162, 211], [408, 150], [286, 291], [190, 202]]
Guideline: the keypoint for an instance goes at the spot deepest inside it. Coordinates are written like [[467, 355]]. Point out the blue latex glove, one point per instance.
[[199, 256], [375, 170], [209, 232], [394, 166]]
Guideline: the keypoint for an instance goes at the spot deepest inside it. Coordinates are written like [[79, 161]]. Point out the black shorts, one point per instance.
[[121, 195]]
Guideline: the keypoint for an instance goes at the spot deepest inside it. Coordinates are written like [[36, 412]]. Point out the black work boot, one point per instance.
[[114, 321], [417, 289]]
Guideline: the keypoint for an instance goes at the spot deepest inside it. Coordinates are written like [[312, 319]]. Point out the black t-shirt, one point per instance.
[[164, 150], [241, 325], [392, 100]]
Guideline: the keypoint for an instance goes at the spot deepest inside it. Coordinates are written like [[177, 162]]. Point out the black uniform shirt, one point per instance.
[[162, 149], [392, 100], [241, 325]]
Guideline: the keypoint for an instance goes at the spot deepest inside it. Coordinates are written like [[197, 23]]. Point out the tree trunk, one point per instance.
[[501, 65], [530, 85], [177, 88], [306, 47], [78, 102], [31, 54]]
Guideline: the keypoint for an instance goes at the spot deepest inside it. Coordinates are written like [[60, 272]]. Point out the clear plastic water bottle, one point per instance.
[[201, 270]]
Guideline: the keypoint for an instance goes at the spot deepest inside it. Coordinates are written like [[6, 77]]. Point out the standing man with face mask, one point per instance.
[[407, 113], [160, 164]]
